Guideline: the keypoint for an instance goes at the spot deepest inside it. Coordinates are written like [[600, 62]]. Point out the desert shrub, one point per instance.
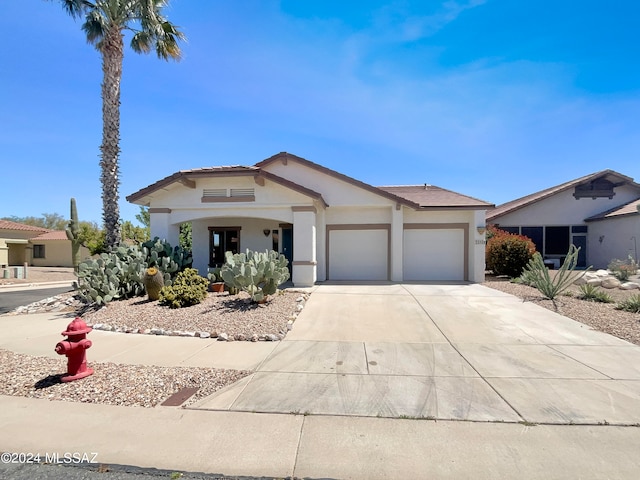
[[623, 269], [507, 253], [591, 293], [187, 289], [631, 304], [537, 274], [257, 273]]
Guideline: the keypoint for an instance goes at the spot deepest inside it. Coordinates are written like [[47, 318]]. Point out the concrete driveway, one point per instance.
[[461, 352]]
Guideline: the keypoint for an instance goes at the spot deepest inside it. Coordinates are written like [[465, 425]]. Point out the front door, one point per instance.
[[287, 244], [580, 241], [222, 240]]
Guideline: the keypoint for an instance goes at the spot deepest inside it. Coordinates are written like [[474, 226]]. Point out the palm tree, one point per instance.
[[105, 22]]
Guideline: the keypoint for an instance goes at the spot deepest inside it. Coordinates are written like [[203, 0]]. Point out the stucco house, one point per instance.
[[36, 246], [330, 226], [597, 212]]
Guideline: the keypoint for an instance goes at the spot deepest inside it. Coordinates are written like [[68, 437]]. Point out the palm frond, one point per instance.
[[76, 8], [141, 42], [94, 27]]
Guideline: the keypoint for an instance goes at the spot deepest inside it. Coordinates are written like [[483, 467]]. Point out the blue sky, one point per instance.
[[494, 99]]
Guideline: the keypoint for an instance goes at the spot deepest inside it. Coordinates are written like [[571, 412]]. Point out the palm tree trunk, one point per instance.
[[112, 50]]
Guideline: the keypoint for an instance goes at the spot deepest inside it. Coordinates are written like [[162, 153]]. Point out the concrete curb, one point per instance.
[[35, 286]]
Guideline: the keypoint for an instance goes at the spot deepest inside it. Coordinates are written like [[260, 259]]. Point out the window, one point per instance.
[[556, 240], [222, 240], [38, 251], [536, 236], [514, 230]]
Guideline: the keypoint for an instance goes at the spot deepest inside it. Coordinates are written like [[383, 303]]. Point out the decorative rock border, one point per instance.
[[606, 279], [61, 303]]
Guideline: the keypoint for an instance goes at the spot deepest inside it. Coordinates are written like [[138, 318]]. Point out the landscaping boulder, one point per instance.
[[610, 282]]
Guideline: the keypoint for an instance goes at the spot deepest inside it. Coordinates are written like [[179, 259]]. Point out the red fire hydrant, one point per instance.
[[75, 348]]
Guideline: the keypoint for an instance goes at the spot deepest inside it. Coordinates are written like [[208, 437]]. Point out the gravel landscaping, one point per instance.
[[111, 384], [220, 315]]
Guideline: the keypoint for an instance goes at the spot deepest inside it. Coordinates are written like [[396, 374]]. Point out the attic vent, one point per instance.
[[596, 189], [210, 195], [214, 192], [242, 192]]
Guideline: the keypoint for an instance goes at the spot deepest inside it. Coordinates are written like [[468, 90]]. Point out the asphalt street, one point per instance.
[[46, 471], [11, 300]]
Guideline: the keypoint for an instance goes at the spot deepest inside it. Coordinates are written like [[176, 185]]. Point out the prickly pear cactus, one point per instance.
[[120, 273], [153, 282], [257, 273]]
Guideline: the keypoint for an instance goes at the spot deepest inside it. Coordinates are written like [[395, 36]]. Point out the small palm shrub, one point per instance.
[[187, 289], [631, 304], [537, 274], [507, 253], [591, 293]]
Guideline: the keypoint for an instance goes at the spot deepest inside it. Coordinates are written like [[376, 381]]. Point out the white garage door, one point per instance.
[[433, 254], [358, 255]]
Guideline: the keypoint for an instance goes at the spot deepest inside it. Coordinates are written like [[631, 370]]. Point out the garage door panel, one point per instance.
[[358, 255], [433, 254]]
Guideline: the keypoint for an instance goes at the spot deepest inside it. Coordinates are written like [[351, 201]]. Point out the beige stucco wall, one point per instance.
[[57, 254], [613, 238], [275, 204]]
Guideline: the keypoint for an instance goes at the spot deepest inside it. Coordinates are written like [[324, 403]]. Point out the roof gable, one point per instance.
[[617, 179], [188, 177], [285, 157]]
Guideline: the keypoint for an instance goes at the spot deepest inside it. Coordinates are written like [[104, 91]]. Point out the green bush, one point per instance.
[[631, 304], [507, 253], [623, 269], [257, 273], [591, 293], [187, 289]]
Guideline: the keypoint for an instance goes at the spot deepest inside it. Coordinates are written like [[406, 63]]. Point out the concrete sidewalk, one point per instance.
[[236, 443], [541, 395]]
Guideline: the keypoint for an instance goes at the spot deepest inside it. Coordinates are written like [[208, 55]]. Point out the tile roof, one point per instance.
[[52, 235], [411, 196], [630, 208], [521, 202], [9, 225], [431, 196]]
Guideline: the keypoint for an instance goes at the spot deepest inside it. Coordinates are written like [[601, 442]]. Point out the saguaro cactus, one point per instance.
[[73, 234]]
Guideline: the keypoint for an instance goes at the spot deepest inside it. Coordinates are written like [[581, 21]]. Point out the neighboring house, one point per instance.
[[597, 213], [36, 246], [15, 248], [330, 226]]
